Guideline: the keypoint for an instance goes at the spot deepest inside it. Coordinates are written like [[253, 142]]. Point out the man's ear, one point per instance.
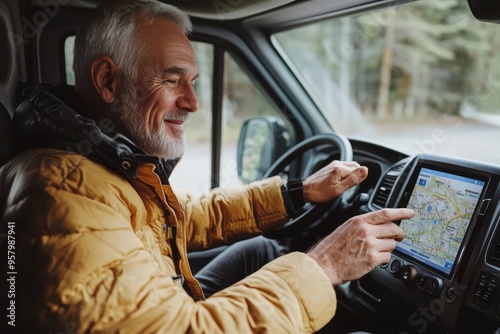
[[104, 76]]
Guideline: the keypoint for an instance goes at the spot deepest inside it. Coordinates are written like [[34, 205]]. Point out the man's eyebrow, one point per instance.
[[179, 71]]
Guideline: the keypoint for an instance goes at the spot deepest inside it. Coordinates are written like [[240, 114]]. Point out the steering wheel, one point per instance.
[[313, 211]]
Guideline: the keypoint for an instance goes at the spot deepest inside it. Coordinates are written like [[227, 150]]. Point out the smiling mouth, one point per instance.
[[175, 123], [176, 120]]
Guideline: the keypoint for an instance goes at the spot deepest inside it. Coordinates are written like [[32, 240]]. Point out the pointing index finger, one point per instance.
[[390, 215]]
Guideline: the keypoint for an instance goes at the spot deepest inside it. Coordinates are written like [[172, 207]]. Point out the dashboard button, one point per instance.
[[486, 298], [420, 281], [485, 289], [408, 274], [395, 266], [450, 294], [432, 286]]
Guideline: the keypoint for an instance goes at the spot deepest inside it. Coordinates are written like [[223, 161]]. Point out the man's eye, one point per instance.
[[172, 81]]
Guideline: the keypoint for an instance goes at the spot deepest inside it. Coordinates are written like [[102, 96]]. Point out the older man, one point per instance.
[[102, 238]]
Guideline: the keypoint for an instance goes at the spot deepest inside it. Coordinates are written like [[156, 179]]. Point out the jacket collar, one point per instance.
[[44, 120]]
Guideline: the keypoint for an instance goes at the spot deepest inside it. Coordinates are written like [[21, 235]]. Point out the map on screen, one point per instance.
[[444, 204]]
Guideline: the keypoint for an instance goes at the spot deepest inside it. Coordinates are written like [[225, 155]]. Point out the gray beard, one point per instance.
[[153, 141]]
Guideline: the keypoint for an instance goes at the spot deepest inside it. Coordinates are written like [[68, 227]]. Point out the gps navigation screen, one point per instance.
[[444, 204]]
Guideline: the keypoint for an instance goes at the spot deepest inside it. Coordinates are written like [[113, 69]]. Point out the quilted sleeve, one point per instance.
[[227, 215]]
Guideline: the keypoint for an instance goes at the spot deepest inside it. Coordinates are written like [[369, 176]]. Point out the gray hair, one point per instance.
[[111, 32]]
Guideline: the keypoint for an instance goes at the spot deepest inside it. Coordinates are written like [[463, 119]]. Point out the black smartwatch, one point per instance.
[[293, 196]]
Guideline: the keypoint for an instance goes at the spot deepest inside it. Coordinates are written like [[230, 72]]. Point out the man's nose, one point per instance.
[[188, 101]]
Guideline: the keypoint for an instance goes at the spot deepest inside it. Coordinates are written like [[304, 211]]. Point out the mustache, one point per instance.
[[177, 115]]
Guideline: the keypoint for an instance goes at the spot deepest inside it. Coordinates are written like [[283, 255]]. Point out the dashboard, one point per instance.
[[448, 266]]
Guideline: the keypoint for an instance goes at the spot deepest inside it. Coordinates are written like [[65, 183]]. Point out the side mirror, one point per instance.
[[262, 141], [485, 10]]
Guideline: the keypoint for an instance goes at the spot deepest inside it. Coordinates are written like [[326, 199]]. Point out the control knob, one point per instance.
[[408, 274]]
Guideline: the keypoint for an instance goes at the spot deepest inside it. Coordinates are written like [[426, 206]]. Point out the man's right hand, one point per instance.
[[360, 244]]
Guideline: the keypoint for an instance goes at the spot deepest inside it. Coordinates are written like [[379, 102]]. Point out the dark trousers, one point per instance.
[[236, 262]]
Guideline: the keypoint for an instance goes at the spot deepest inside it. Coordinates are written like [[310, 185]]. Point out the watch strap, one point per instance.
[[293, 196]]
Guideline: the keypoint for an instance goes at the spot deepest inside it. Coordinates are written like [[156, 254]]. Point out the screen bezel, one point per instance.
[[454, 170]]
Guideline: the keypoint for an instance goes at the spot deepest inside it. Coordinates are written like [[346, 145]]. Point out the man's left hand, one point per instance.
[[332, 180]]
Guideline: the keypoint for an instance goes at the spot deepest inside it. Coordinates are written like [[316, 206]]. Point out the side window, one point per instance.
[[194, 170], [69, 45], [241, 100]]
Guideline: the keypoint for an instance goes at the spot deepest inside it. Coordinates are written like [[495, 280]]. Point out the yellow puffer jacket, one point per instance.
[[99, 248]]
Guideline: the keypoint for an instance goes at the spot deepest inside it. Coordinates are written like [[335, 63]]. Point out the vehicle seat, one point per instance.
[[5, 122]]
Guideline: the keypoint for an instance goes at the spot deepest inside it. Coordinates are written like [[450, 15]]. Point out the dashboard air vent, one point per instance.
[[494, 257], [385, 187]]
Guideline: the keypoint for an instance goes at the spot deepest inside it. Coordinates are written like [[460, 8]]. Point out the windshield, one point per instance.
[[421, 77]]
